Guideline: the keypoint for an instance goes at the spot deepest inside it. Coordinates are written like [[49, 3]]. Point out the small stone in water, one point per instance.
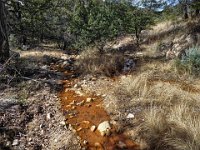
[[93, 128]]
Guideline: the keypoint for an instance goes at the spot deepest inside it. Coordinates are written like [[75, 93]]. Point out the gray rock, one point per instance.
[[129, 65]]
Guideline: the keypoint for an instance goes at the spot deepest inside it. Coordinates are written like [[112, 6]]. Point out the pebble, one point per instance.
[[49, 115], [15, 142], [85, 142], [86, 122], [79, 129], [8, 143], [104, 95], [89, 100], [42, 132], [73, 107], [80, 103], [93, 128], [72, 103], [130, 116], [62, 123]]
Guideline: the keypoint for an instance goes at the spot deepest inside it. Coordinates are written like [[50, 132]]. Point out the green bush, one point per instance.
[[190, 63], [94, 21]]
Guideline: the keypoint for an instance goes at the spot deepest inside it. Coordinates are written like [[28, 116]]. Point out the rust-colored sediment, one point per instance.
[[83, 116]]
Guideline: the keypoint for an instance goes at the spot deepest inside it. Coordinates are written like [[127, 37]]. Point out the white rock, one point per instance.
[[104, 128], [15, 142], [49, 116], [62, 123], [130, 116], [89, 100], [85, 142], [104, 95], [93, 128]]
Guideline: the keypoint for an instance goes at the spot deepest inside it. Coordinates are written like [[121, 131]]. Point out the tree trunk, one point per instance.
[[4, 45], [185, 11], [197, 12]]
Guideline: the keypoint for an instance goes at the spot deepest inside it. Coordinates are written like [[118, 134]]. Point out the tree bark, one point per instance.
[[185, 11], [4, 44]]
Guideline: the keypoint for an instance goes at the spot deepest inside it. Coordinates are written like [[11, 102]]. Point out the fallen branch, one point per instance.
[[53, 82]]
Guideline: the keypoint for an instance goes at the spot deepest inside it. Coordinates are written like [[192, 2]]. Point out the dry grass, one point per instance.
[[170, 113], [108, 64]]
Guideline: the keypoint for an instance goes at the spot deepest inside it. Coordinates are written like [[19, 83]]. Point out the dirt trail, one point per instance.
[[81, 115]]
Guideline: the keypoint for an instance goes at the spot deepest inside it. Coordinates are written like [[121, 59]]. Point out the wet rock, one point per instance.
[[130, 116], [15, 142], [93, 128], [104, 128]]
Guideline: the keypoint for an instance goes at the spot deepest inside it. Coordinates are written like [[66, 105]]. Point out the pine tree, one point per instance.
[[4, 44]]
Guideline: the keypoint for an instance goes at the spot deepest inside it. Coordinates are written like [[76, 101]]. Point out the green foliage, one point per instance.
[[78, 23], [97, 21], [190, 63]]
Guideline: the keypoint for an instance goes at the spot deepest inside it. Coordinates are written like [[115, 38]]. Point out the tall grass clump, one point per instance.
[[108, 64], [190, 63]]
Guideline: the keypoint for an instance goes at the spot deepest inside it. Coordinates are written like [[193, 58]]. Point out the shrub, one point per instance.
[[190, 63]]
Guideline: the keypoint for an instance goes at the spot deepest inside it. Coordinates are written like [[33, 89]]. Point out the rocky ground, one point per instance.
[[30, 112]]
